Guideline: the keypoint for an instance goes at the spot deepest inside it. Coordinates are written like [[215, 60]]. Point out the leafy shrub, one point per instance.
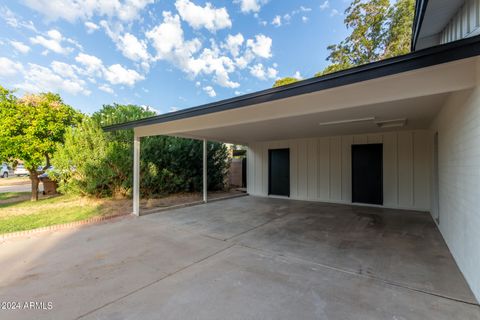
[[97, 163]]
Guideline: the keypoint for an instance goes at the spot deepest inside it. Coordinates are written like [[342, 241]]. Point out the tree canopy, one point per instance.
[[284, 81], [31, 128], [103, 160], [379, 30]]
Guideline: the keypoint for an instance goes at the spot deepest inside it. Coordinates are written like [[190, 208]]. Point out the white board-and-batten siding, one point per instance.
[[320, 168]]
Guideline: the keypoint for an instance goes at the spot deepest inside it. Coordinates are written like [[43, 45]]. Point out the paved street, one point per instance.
[[23, 187]]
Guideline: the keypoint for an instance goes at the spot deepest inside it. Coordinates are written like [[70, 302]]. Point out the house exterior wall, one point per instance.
[[320, 168], [458, 127], [465, 23]]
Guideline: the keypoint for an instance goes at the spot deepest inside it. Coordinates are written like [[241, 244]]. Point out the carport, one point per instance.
[[394, 134]]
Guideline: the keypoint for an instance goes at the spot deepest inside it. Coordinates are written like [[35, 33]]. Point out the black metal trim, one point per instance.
[[420, 9], [436, 55]]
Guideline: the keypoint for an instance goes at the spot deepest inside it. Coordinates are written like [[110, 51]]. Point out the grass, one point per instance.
[[12, 195], [18, 213]]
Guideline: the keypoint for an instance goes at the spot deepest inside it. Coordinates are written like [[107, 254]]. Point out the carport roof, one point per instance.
[[444, 53]]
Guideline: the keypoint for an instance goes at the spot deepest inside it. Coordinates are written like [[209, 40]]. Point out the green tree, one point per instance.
[[284, 81], [31, 128], [399, 34], [103, 160], [82, 162], [379, 31]]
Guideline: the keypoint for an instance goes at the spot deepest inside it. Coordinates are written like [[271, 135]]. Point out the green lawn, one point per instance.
[[22, 214], [12, 195]]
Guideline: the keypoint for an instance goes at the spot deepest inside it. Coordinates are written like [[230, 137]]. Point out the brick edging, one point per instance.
[[63, 226]]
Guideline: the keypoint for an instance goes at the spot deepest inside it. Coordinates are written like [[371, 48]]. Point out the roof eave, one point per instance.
[[420, 9], [444, 53]]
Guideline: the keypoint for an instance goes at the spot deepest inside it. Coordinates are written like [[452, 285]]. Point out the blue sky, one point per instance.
[[168, 55]]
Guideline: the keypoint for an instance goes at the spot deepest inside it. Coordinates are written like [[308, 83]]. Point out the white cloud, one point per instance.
[[40, 79], [272, 73], [52, 43], [277, 21], [168, 40], [91, 27], [212, 62], [116, 74], [133, 48], [207, 17], [251, 5], [261, 46], [210, 91], [9, 68], [129, 45], [36, 78], [93, 65], [334, 13], [72, 10], [304, 19], [64, 69], [20, 46], [219, 60], [262, 73], [258, 71], [234, 43], [14, 21], [106, 88], [297, 75], [325, 5]]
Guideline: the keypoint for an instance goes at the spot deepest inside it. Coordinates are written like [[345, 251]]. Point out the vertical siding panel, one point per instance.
[[265, 147], [258, 168], [347, 168], [293, 168], [390, 170], [324, 169], [250, 170], [405, 169], [302, 169], [421, 169], [336, 168], [312, 169], [259, 165], [375, 138], [360, 139], [253, 181]]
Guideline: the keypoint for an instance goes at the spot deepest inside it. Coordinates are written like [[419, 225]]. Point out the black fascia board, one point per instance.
[[420, 9], [436, 55]]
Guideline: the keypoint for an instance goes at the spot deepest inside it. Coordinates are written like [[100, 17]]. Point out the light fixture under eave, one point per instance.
[[391, 123], [331, 123]]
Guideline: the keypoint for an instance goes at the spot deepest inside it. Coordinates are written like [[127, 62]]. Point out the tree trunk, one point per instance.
[[47, 158], [35, 181]]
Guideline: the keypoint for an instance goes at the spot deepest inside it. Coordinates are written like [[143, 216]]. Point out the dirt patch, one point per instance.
[[108, 207], [182, 198]]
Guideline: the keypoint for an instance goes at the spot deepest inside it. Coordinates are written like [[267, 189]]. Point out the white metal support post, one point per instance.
[[204, 171], [136, 175]]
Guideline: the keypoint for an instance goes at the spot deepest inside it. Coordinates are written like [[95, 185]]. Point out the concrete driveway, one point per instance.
[[243, 258]]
